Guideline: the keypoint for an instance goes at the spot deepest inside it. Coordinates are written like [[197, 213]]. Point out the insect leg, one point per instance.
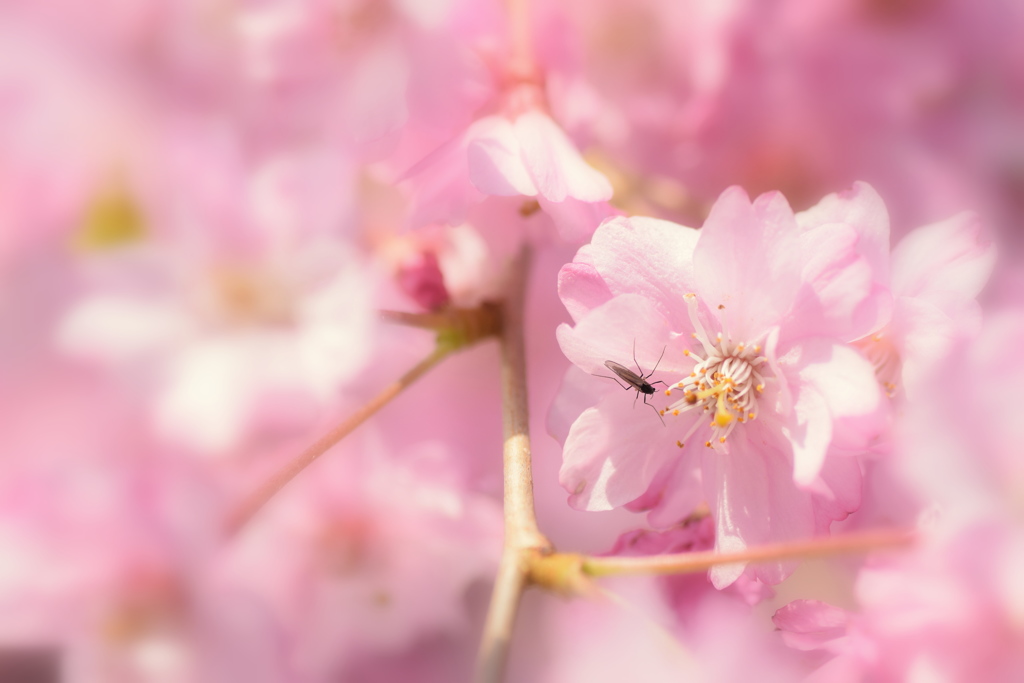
[[608, 377], [655, 410]]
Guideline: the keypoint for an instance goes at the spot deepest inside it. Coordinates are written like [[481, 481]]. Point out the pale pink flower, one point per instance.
[[937, 271], [368, 555], [217, 335], [760, 384], [950, 610], [107, 564], [529, 156], [959, 446], [632, 637], [517, 151], [458, 264], [924, 292], [952, 607]]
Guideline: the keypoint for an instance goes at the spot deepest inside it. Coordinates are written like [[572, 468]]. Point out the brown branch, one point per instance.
[[523, 540], [682, 563], [259, 498]]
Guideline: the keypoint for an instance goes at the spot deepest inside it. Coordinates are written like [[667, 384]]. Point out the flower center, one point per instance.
[[885, 358], [725, 383], [241, 296]]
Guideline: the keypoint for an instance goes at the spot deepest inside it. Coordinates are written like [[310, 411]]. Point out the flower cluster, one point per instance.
[[274, 275]]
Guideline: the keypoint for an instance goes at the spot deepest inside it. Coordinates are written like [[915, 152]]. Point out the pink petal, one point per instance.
[[444, 192], [576, 220], [747, 262], [924, 335], [208, 396], [950, 257], [117, 327], [578, 392], [613, 330], [581, 288], [840, 296], [839, 402], [651, 257], [754, 500], [838, 491], [863, 211], [810, 432], [811, 624], [495, 160], [613, 452], [680, 494], [556, 166]]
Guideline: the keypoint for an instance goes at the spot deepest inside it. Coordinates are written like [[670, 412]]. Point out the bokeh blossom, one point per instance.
[[952, 606], [233, 234]]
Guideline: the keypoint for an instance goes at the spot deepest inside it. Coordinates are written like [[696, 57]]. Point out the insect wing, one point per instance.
[[625, 374]]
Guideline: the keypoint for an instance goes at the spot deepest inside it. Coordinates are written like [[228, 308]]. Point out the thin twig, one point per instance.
[[523, 539], [260, 497], [682, 563]]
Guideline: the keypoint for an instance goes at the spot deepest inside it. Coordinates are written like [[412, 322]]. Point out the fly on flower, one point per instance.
[[635, 381]]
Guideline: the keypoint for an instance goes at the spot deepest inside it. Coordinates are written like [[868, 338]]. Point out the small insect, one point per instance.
[[635, 381]]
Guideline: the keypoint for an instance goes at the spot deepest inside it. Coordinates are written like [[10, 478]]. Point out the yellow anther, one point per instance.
[[759, 388], [680, 444], [668, 392], [675, 412], [750, 416], [721, 439], [708, 444], [757, 349], [686, 352]]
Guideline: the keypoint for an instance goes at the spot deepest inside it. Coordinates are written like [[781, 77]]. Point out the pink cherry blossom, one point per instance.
[[952, 605], [368, 555], [924, 291], [950, 609], [216, 334], [937, 272], [739, 339], [108, 565], [518, 151], [587, 641]]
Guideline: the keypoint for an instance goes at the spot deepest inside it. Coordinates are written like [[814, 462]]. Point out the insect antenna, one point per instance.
[[655, 365]]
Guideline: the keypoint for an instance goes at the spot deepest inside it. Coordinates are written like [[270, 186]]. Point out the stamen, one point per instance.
[[726, 384], [699, 334]]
